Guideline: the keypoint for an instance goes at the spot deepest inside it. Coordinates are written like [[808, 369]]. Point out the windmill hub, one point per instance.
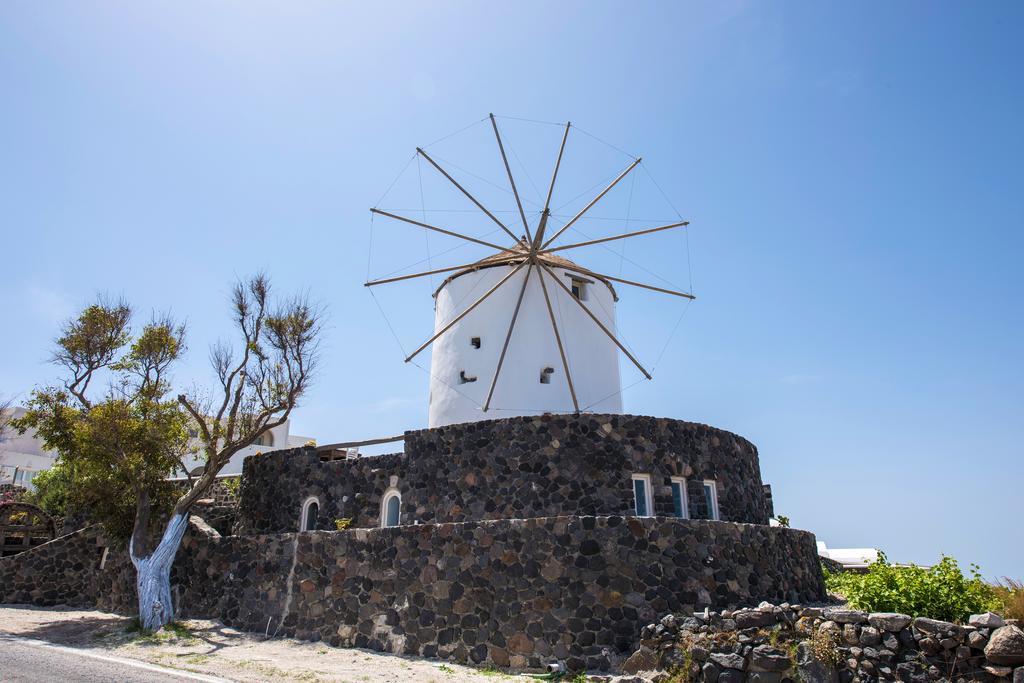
[[524, 330]]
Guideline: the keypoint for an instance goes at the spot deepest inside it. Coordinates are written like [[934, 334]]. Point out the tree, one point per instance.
[[122, 447], [6, 415]]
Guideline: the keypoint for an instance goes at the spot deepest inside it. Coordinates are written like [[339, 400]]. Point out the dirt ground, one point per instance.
[[209, 647]]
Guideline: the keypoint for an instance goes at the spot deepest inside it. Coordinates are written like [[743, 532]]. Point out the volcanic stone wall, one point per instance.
[[508, 593], [514, 468]]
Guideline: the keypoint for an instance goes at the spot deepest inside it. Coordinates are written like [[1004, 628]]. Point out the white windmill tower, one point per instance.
[[506, 348]]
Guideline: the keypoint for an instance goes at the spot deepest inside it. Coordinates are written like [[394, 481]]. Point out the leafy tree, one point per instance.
[[120, 447]]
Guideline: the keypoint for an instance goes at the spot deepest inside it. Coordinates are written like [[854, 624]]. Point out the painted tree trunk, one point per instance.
[[153, 576]]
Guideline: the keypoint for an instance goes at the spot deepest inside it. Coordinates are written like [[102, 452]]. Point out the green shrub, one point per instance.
[[938, 592]]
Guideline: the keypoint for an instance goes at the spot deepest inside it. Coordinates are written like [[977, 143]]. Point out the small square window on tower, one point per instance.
[[579, 288], [464, 378], [475, 342], [545, 375]]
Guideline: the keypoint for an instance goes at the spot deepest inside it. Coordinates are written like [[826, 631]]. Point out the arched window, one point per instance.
[[310, 512], [391, 509], [264, 439]]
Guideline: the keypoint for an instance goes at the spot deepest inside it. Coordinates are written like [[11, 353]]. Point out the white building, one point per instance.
[[850, 558], [22, 456], [275, 439], [532, 379]]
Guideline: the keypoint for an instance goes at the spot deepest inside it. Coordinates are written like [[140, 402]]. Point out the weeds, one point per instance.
[[1010, 594]]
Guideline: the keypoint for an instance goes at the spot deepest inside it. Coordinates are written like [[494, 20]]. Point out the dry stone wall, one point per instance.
[[513, 468], [778, 643], [508, 593]]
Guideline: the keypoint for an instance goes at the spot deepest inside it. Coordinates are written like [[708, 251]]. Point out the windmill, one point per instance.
[[525, 282]]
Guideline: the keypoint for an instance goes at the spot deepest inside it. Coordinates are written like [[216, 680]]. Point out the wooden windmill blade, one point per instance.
[[535, 252]]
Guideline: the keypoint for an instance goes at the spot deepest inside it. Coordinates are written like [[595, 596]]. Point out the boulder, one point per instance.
[[812, 670], [644, 659], [846, 616], [889, 621], [1018, 675], [728, 660], [869, 635], [730, 676], [754, 618], [1006, 646], [977, 640], [998, 671], [711, 671], [768, 658], [934, 627], [764, 677], [986, 620]]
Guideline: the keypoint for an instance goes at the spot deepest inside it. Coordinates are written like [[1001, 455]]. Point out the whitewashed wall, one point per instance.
[[592, 356]]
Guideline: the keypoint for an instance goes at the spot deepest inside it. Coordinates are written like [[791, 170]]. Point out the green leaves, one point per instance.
[[938, 592]]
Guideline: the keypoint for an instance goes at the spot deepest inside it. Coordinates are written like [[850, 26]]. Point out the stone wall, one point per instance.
[[770, 644], [512, 468], [508, 593]]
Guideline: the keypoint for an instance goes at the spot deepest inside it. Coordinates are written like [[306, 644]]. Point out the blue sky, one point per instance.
[[852, 173]]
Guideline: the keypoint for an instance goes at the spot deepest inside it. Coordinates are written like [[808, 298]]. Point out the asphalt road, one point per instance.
[[36, 661]]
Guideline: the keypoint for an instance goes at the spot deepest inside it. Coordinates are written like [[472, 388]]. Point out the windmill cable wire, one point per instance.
[[460, 130]]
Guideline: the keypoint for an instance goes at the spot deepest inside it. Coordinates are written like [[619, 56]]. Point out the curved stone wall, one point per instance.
[[514, 468], [508, 593]]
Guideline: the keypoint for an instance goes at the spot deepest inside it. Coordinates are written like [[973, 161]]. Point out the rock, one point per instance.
[[986, 620], [850, 635], [768, 658], [869, 636], [934, 627], [812, 670], [1006, 646], [753, 618], [643, 659], [728, 660], [929, 646], [889, 621], [998, 671], [829, 627], [711, 672], [949, 643], [977, 640], [730, 676], [764, 677], [1018, 675], [812, 612], [890, 641], [846, 616]]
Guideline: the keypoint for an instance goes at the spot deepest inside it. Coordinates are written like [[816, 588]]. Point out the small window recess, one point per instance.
[[475, 342], [578, 287], [642, 502], [680, 501], [464, 379], [711, 496], [391, 509], [310, 513], [545, 375]]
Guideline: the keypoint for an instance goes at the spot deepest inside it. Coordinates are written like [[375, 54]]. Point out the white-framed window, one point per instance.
[[642, 502], [711, 496], [391, 509], [680, 501], [310, 513], [578, 287]]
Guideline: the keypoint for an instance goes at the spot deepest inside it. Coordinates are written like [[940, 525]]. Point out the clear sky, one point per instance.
[[852, 172]]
